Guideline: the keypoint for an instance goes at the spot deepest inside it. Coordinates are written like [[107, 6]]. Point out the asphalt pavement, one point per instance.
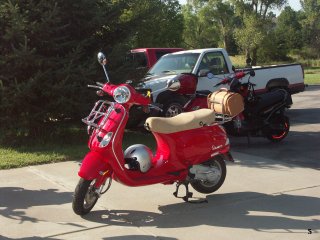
[[271, 192], [302, 145]]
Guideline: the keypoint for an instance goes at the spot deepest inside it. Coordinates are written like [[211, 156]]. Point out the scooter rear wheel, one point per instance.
[[84, 197], [210, 187]]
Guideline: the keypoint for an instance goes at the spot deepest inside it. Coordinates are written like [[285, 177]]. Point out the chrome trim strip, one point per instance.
[[115, 137]]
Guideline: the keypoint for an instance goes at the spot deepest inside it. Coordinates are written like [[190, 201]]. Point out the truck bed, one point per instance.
[[267, 77]]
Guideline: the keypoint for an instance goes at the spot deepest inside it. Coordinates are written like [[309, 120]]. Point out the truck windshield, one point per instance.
[[174, 64]]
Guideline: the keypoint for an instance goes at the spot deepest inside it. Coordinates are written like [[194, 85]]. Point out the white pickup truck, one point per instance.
[[211, 65]]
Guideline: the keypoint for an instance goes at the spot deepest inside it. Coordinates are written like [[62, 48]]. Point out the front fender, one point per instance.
[[92, 165]]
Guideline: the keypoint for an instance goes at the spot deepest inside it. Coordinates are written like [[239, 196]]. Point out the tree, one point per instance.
[[250, 36], [46, 61], [47, 54], [155, 23], [311, 26], [221, 14], [160, 24], [288, 31], [199, 31], [257, 23]]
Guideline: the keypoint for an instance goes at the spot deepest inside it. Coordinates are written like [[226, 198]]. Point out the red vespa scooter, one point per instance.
[[191, 148]]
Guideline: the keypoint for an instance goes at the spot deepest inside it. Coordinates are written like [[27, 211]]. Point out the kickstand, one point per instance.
[[188, 194]]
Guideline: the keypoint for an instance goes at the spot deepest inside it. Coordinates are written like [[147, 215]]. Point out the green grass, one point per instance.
[[312, 75], [33, 154], [312, 79], [28, 155]]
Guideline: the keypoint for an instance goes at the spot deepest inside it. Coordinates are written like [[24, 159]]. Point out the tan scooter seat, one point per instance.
[[181, 122]]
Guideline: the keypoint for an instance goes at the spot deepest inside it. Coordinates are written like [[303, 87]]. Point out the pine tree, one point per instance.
[[45, 62]]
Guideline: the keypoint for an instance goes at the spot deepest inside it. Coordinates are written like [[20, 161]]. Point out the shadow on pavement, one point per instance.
[[139, 237], [12, 205], [26, 238], [303, 116], [250, 210], [129, 237], [299, 148]]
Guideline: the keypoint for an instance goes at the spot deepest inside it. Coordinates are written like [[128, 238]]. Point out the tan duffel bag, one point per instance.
[[226, 102]]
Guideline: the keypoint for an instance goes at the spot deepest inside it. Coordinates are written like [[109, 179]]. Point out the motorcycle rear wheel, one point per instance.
[[277, 136], [84, 197], [210, 187]]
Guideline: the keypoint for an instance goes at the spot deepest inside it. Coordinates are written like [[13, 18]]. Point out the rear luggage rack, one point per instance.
[[99, 114], [222, 118]]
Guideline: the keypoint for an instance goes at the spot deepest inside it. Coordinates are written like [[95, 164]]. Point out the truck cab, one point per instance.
[[209, 65]]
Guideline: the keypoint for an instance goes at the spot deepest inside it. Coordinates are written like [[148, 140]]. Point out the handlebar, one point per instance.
[[237, 75], [134, 97]]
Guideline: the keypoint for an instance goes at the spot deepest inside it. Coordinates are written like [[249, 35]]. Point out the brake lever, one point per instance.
[[94, 86], [100, 84]]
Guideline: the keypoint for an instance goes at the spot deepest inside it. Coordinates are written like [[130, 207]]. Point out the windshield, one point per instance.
[[174, 64]]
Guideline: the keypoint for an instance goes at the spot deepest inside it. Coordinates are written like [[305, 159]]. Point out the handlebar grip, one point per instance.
[[224, 81], [240, 75]]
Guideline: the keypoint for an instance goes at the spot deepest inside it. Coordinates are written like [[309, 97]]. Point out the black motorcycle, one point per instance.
[[263, 115]]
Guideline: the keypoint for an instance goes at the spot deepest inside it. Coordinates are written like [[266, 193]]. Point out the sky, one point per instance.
[[294, 4]]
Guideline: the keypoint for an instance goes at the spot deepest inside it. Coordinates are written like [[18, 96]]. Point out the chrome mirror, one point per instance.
[[103, 61], [102, 58]]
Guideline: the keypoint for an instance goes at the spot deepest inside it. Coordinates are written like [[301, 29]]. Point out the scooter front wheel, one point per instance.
[[216, 164], [85, 197]]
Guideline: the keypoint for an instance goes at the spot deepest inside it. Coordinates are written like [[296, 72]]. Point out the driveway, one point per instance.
[[271, 192]]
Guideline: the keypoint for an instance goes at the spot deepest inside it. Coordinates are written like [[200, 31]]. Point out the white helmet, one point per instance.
[[140, 155]]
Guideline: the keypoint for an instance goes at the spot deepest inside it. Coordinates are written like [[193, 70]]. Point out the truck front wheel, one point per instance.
[[173, 107]]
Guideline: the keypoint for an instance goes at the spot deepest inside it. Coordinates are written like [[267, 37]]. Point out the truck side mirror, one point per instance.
[[173, 84], [203, 73]]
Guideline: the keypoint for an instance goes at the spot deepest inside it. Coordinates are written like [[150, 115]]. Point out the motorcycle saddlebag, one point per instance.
[[226, 102]]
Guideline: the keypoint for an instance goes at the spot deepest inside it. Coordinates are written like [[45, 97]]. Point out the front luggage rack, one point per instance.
[[99, 114]]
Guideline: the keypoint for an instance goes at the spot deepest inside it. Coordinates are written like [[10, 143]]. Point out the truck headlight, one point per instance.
[[121, 94]]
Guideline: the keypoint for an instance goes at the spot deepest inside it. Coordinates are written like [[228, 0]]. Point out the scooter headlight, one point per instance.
[[121, 94], [106, 139]]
